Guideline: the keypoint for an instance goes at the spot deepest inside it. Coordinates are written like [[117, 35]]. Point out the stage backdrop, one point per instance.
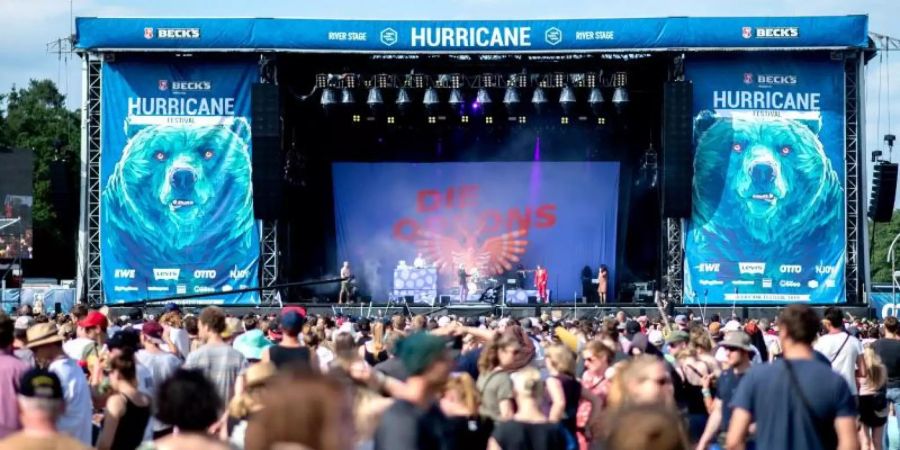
[[177, 211], [492, 216], [768, 218]]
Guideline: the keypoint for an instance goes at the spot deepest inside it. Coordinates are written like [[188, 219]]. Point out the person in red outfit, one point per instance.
[[540, 282]]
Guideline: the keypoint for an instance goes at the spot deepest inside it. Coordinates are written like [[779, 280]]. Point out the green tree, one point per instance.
[[881, 241], [36, 118]]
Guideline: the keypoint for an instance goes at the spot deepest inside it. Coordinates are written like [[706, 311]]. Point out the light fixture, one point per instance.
[[567, 100], [596, 100], [620, 99], [539, 99], [511, 100], [483, 96], [347, 97], [403, 101], [431, 99], [456, 101], [375, 100], [483, 102], [329, 100]]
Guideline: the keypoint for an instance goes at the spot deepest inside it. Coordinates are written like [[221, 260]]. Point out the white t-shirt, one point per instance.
[[844, 363], [181, 339], [159, 367], [75, 348], [76, 420]]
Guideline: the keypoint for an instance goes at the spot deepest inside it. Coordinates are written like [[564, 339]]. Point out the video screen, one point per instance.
[[17, 194]]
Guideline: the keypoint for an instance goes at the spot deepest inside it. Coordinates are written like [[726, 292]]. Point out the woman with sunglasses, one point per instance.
[[597, 358], [496, 362]]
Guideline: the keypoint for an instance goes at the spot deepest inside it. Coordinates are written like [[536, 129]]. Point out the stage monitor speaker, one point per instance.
[[268, 163], [884, 189], [677, 143]]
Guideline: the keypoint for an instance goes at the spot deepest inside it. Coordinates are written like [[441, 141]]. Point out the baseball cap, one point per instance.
[[24, 322], [632, 327], [291, 320], [40, 383], [419, 350], [678, 336], [152, 330], [94, 319], [126, 338], [732, 325], [681, 319], [171, 306], [738, 340]]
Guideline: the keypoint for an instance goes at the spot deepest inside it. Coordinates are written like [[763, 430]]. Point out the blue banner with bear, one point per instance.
[[768, 197], [177, 205]]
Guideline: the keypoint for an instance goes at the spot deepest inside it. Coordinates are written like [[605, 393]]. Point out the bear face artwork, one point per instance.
[[765, 192], [181, 197]]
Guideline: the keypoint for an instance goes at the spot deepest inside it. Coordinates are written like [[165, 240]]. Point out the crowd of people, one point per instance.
[[296, 381]]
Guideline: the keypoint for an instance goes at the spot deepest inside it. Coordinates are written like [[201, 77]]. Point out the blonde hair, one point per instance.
[[876, 372], [527, 382], [562, 359], [378, 336], [171, 319], [465, 388], [627, 372]]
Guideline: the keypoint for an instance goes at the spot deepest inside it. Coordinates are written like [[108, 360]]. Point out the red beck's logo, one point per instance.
[[163, 85], [747, 32], [748, 78], [148, 33]]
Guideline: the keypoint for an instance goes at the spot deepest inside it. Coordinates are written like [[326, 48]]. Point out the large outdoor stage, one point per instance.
[[701, 161]]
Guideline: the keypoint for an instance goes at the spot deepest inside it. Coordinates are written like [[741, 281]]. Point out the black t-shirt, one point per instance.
[[725, 389], [529, 436], [406, 427], [889, 351]]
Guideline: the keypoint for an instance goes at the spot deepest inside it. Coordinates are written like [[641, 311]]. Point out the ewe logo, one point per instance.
[[553, 36], [389, 36], [205, 274], [125, 273], [708, 267]]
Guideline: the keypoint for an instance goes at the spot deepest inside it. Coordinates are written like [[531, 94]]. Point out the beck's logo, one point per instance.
[[748, 78], [747, 32], [389, 36], [178, 33], [148, 33], [164, 85]]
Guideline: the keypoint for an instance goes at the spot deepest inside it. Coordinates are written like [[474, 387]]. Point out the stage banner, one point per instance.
[[768, 200], [491, 217], [177, 205], [885, 304]]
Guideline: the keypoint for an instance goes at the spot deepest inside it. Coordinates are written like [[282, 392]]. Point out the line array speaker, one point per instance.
[[677, 142], [268, 161], [884, 189]]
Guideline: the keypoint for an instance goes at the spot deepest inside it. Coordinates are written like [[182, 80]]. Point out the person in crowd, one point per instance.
[[644, 379], [11, 371], [597, 360], [127, 410], [302, 410], [319, 344], [215, 359], [564, 390], [252, 343], [796, 402], [415, 421], [161, 365], [373, 351], [76, 418], [696, 368], [192, 328], [528, 428], [494, 385], [176, 339], [20, 340], [756, 338], [644, 427], [738, 346], [393, 366], [843, 350], [888, 350], [460, 404], [770, 338], [873, 406], [248, 402], [190, 403], [94, 327], [75, 347], [290, 351], [40, 405]]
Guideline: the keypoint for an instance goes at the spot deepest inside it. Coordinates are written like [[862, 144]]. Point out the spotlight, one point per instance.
[[567, 100], [347, 97], [456, 101], [329, 100], [482, 101], [620, 98], [375, 100], [595, 100], [539, 99], [431, 100], [403, 101], [511, 100]]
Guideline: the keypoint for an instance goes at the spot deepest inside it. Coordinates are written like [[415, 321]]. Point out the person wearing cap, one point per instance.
[[20, 340], [11, 371], [415, 420], [676, 342], [94, 326], [75, 348], [46, 343], [40, 405], [160, 364], [218, 361], [290, 351], [740, 351], [681, 322]]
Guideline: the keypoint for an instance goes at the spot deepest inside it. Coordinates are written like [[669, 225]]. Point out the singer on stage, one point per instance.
[[463, 283], [602, 283], [540, 282], [345, 284]]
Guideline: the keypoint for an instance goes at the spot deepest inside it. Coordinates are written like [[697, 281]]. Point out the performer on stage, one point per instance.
[[345, 284], [419, 262], [602, 282], [540, 282], [463, 283]]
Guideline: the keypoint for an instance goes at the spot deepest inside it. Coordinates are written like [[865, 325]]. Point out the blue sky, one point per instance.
[[26, 26]]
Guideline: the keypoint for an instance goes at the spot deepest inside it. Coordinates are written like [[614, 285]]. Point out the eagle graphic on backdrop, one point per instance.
[[492, 256]]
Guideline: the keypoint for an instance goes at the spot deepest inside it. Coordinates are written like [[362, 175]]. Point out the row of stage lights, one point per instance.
[[339, 92]]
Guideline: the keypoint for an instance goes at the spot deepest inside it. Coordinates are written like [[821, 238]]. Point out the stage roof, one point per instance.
[[477, 36]]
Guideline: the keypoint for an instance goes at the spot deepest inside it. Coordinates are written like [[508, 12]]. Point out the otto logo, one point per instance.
[[825, 270], [747, 32], [148, 33], [789, 284], [178, 33], [790, 268], [389, 36], [236, 273], [748, 78], [750, 268], [778, 32], [708, 267], [205, 274], [124, 273], [163, 85], [553, 36], [776, 79], [166, 274], [191, 85]]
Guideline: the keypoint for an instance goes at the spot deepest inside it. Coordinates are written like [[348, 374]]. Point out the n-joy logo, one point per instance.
[[389, 36], [553, 36]]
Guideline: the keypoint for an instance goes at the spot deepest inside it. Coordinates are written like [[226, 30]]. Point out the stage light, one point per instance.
[[464, 119], [356, 118], [564, 120], [375, 100], [456, 101], [596, 100], [620, 99], [391, 120], [403, 101], [567, 100], [347, 97], [431, 99], [511, 100], [539, 99], [489, 120], [482, 101], [523, 120], [329, 100]]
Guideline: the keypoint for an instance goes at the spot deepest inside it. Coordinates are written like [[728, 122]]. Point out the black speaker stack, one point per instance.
[[884, 189], [677, 151], [268, 160]]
